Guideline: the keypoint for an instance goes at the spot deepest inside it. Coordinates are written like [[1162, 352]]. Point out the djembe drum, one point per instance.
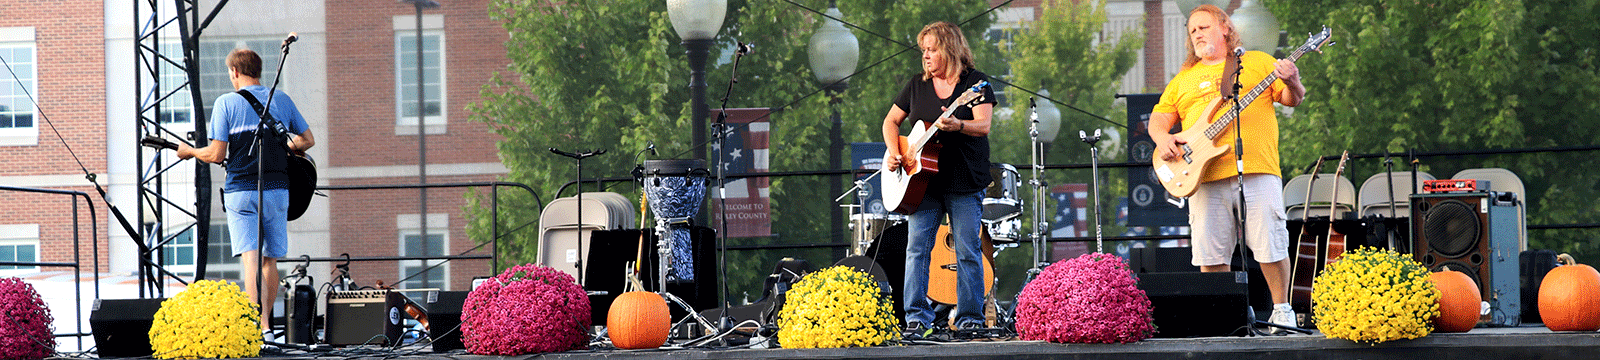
[[675, 190]]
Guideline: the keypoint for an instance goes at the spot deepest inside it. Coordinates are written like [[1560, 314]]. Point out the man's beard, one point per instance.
[[1205, 51]]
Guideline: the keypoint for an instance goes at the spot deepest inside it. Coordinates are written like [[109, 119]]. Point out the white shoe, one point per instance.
[[1281, 315]]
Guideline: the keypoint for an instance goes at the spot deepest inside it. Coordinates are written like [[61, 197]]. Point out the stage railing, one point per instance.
[[76, 265], [494, 241]]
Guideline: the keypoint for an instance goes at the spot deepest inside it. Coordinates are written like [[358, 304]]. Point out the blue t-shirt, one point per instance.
[[234, 121]]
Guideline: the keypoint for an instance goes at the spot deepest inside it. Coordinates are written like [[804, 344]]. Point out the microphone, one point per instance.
[[746, 48], [1238, 51], [290, 40]]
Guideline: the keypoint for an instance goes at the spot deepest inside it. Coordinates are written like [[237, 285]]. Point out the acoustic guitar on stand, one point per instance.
[[903, 187], [1181, 174]]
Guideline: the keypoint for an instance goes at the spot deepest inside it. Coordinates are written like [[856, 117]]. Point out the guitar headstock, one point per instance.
[[973, 94], [1315, 42]]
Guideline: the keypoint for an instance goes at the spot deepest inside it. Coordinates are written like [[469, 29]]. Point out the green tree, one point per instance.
[[1456, 75], [1065, 51], [592, 74]]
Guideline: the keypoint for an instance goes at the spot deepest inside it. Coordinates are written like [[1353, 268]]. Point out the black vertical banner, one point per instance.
[[1148, 202]]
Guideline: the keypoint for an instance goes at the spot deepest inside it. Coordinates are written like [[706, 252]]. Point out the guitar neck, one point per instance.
[[1221, 125]]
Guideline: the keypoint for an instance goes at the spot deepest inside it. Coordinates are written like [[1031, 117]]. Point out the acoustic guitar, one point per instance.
[[903, 187], [1181, 174], [1305, 261], [302, 172], [1315, 255], [942, 267]]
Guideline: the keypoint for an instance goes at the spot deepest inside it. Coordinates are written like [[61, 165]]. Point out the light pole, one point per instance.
[[697, 23], [834, 54], [422, 134]]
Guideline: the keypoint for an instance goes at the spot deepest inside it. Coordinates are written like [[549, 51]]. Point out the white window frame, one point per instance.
[[405, 28], [408, 225], [15, 38], [21, 235]]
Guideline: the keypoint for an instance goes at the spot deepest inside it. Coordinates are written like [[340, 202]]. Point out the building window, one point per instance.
[[17, 113], [178, 108], [178, 256], [424, 274], [19, 243], [432, 80]]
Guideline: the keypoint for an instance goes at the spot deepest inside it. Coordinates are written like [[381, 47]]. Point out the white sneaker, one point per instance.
[[1282, 315]]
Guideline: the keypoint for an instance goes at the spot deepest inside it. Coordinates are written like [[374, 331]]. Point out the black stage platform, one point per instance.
[[1482, 343]]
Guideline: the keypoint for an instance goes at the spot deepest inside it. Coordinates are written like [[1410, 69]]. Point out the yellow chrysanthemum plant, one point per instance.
[[1374, 295], [209, 319], [836, 307]]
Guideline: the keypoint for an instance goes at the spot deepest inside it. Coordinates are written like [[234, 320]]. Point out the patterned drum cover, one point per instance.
[[676, 189]]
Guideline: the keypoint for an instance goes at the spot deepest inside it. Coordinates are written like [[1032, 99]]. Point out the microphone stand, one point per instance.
[[579, 157], [1094, 173], [721, 129], [1239, 212], [267, 123]]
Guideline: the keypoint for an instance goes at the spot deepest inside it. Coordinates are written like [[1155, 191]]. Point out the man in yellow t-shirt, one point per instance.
[[1212, 38]]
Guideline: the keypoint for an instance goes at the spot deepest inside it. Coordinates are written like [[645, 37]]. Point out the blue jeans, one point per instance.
[[966, 213]]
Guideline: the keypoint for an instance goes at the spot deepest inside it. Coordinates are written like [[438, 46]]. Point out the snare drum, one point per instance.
[[1004, 231], [675, 190], [872, 225], [1001, 200]]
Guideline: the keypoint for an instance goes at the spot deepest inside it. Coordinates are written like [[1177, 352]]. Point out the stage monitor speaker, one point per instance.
[[604, 272], [302, 315], [444, 319], [122, 327], [1474, 233], [364, 317], [1193, 304]]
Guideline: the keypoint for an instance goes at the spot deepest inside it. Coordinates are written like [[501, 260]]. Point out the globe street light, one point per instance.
[[834, 54], [697, 23], [1258, 29]]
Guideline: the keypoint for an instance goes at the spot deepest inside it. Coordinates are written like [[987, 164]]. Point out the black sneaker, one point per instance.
[[972, 331], [916, 330]]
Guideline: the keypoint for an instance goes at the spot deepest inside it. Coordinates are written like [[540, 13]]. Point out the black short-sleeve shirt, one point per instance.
[[964, 159]]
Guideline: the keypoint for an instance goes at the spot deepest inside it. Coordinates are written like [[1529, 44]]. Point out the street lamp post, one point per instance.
[[422, 134], [697, 23], [834, 55]]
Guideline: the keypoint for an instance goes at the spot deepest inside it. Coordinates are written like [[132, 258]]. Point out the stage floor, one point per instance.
[[1482, 343]]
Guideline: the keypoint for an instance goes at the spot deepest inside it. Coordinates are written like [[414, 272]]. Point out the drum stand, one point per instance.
[[858, 213], [664, 249]]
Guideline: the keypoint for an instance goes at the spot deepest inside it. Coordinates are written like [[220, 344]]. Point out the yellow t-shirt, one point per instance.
[[1193, 89]]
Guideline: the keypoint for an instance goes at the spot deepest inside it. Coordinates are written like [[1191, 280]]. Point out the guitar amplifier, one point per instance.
[[1455, 185], [364, 317]]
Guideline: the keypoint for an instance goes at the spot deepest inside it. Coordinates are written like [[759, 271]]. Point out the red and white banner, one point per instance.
[[744, 152]]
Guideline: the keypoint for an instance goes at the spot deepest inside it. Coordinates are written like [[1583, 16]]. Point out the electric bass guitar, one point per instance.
[[903, 187], [302, 175], [1181, 174]]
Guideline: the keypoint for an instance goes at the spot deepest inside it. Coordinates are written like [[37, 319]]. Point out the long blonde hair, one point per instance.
[[1232, 37], [948, 37]]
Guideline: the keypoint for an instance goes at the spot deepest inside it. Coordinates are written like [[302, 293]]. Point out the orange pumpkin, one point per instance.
[[638, 320], [1569, 298], [1459, 301]]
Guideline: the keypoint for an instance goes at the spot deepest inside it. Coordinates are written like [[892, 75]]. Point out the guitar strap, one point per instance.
[[278, 130], [1229, 68]]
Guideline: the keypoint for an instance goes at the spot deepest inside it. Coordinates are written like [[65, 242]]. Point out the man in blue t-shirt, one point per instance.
[[234, 122]]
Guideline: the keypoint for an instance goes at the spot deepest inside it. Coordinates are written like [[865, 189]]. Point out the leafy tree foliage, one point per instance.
[[1459, 75]]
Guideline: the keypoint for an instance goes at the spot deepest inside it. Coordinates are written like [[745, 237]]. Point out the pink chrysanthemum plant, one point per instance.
[[25, 322], [1090, 299], [526, 309]]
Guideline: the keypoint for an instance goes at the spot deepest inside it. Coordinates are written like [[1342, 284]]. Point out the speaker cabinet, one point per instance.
[[1474, 233], [364, 317], [444, 319], [302, 315], [614, 248], [1191, 304], [122, 327]]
